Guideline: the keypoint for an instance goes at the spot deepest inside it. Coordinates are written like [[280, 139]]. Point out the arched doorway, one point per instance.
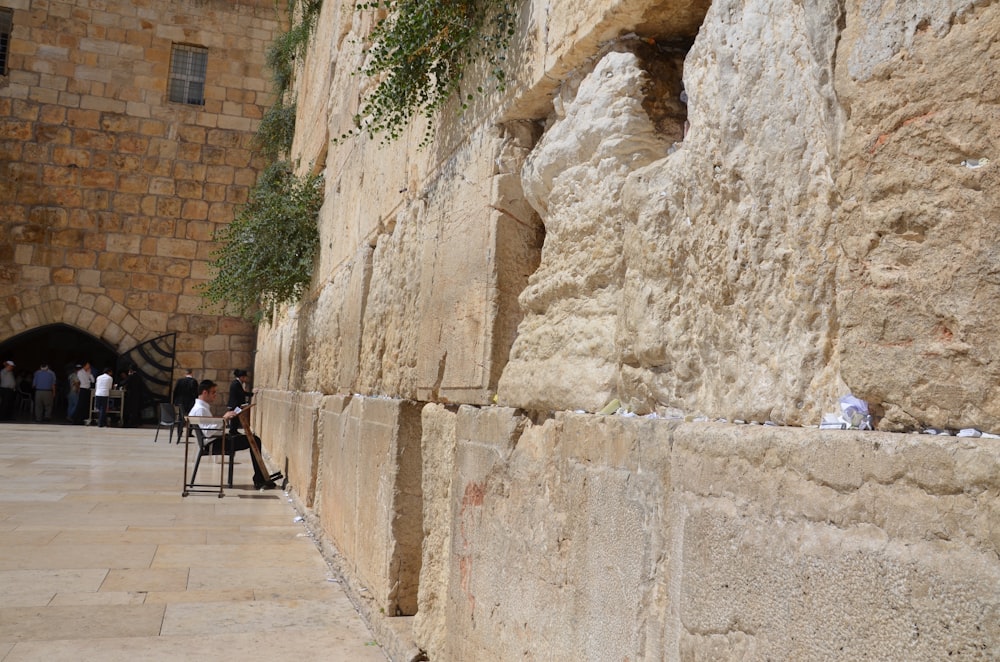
[[62, 347]]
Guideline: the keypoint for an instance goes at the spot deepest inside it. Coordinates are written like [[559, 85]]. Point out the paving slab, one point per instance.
[[102, 558]]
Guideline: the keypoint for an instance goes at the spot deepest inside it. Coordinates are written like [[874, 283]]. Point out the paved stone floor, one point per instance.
[[101, 558]]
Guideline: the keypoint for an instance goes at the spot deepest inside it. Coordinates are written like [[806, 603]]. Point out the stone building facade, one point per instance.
[[125, 142]]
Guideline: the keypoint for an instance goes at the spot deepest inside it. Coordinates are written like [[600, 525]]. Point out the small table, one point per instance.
[[116, 407], [189, 485]]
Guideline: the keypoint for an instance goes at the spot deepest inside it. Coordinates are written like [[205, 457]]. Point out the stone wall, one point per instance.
[[111, 194], [729, 210], [646, 539]]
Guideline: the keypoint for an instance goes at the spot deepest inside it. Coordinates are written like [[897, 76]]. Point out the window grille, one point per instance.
[[187, 74], [6, 27]]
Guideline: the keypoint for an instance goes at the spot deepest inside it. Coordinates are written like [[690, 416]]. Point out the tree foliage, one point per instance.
[[266, 254]]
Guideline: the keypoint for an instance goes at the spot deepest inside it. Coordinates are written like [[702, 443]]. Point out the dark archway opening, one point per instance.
[[62, 348]]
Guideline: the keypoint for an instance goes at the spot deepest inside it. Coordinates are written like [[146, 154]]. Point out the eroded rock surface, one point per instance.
[[919, 279]]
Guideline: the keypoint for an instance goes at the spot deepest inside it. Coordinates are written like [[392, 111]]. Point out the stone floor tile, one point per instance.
[[102, 598], [79, 622], [37, 588], [257, 578], [139, 535], [332, 645], [210, 595], [146, 579], [55, 555], [204, 618]]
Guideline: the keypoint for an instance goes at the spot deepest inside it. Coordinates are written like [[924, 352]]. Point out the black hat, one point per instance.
[[239, 373]]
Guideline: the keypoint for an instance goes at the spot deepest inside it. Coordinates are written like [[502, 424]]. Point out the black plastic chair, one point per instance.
[[210, 447], [25, 403], [168, 419]]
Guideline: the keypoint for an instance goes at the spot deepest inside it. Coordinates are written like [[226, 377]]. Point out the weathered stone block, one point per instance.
[[438, 445], [861, 540], [283, 420], [369, 486], [915, 285], [593, 534]]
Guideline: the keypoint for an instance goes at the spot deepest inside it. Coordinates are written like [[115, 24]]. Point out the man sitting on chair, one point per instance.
[[239, 442]]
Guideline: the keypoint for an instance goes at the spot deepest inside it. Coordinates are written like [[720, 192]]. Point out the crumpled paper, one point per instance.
[[854, 415]]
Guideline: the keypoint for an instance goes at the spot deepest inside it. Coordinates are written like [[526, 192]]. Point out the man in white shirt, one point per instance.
[[102, 392], [237, 442], [83, 405], [8, 385]]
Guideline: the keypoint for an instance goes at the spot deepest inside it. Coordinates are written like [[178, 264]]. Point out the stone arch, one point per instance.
[[97, 314]]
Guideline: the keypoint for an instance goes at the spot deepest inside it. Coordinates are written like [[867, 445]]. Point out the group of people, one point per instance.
[[196, 398], [82, 381], [42, 389]]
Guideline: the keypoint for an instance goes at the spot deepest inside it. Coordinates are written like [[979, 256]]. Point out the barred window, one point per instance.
[[187, 74], [6, 27]]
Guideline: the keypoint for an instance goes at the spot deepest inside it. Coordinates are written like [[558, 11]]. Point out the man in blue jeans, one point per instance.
[[102, 393]]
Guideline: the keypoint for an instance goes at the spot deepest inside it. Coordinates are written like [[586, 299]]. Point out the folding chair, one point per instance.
[[213, 446], [210, 447], [168, 418]]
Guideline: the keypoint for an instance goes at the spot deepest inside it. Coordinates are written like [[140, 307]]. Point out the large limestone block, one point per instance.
[[438, 442], [917, 289], [440, 279], [564, 356], [275, 349], [332, 344], [286, 423], [370, 494], [481, 243], [558, 538], [391, 315], [801, 544], [729, 302]]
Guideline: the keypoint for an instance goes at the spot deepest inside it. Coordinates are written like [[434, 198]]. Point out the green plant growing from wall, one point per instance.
[[420, 50], [265, 256]]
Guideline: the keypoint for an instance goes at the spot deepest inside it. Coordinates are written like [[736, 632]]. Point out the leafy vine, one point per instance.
[[265, 256], [420, 50], [267, 252]]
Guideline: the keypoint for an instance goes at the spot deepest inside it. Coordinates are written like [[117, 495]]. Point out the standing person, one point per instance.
[[185, 393], [8, 386], [44, 383], [102, 393], [135, 396], [238, 390], [238, 396], [73, 395], [202, 407], [83, 404]]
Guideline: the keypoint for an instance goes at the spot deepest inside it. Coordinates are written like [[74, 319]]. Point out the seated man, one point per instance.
[[207, 390]]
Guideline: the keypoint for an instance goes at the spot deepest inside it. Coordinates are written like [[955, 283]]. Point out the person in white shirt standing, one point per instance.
[[8, 386], [83, 404], [102, 393]]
